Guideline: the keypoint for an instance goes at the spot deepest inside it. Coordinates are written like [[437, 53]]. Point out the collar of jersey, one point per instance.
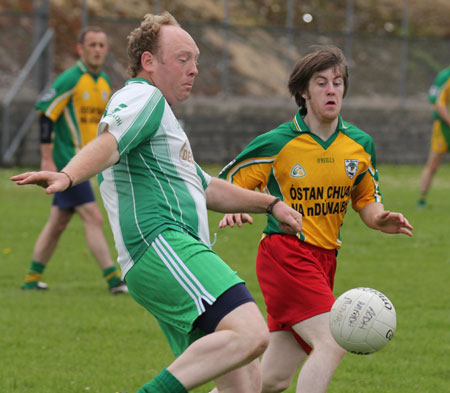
[[84, 69], [301, 126], [138, 80]]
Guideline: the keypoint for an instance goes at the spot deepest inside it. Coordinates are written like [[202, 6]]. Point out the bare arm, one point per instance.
[[374, 216], [222, 196], [99, 154], [47, 163], [443, 113]]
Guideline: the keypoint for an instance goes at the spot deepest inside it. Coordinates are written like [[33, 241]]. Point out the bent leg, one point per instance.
[[325, 357], [240, 337], [280, 361]]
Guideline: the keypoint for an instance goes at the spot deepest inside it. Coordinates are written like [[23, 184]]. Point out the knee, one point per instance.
[[254, 342], [58, 227], [95, 218], [332, 348], [261, 341], [275, 384]]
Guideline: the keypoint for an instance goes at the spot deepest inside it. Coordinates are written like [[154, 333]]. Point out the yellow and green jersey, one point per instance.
[[443, 100], [317, 178], [442, 80], [75, 105]]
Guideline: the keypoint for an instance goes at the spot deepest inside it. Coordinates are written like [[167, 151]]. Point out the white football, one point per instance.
[[362, 320]]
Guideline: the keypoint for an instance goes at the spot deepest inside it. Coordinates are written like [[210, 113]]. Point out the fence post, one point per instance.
[[225, 71], [404, 53], [40, 24], [349, 31], [157, 7], [84, 13], [290, 13]]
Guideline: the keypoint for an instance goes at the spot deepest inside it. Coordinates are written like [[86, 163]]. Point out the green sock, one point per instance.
[[34, 274], [112, 276], [422, 200], [164, 382]]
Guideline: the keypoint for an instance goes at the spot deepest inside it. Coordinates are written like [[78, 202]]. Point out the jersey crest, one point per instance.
[[351, 167], [186, 156], [297, 171]]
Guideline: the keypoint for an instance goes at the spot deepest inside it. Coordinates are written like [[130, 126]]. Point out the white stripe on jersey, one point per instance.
[[133, 198]]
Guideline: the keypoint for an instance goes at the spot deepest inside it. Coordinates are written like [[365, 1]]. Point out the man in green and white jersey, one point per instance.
[[157, 198]]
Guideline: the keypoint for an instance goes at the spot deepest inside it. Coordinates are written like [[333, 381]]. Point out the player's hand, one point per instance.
[[390, 222], [51, 181], [289, 220], [235, 218]]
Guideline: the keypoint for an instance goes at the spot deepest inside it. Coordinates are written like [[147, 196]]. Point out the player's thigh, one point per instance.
[[315, 330], [435, 160], [59, 218], [245, 319], [283, 356], [89, 212]]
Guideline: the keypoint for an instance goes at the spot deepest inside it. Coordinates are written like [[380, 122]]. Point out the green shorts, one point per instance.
[[173, 279]]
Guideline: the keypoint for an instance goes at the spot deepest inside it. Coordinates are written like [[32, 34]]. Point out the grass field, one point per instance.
[[76, 337]]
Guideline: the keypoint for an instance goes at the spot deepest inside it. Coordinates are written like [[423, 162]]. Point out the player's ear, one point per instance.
[[79, 48], [305, 95], [148, 61]]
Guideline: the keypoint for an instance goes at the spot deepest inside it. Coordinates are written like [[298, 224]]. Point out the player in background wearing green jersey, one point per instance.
[[69, 114], [439, 97], [317, 163], [157, 198]]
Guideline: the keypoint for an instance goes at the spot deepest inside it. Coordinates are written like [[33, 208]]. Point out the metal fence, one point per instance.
[[240, 56]]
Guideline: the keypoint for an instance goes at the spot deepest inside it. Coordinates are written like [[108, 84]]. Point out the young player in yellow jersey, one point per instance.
[[317, 164]]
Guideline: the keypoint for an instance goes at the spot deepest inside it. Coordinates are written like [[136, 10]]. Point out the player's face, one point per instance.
[[325, 95], [175, 65], [93, 50]]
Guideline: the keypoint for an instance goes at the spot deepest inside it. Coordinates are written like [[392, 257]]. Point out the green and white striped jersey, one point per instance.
[[156, 184]]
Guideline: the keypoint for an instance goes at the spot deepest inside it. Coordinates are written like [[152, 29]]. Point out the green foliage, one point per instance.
[[76, 337]]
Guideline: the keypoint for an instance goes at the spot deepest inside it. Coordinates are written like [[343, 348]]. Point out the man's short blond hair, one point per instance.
[[146, 38]]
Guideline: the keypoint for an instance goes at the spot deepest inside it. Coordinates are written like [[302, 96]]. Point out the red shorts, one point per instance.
[[296, 279]]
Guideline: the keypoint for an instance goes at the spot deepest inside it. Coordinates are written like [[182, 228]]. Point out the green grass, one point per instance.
[[76, 337]]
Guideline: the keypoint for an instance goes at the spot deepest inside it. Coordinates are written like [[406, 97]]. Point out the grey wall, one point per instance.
[[219, 130]]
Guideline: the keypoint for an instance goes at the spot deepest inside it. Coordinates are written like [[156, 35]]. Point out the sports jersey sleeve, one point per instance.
[[252, 167], [53, 102], [133, 116], [443, 98], [204, 177], [441, 79], [366, 189]]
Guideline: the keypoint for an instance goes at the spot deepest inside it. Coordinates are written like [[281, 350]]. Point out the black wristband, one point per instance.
[[46, 127], [272, 204], [70, 180]]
